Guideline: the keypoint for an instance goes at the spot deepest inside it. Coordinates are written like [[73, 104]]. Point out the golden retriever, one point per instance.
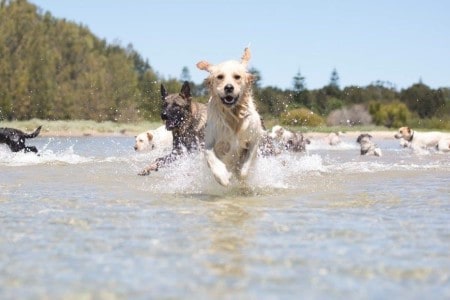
[[233, 126]]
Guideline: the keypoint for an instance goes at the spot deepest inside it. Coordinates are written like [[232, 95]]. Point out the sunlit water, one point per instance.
[[78, 223]]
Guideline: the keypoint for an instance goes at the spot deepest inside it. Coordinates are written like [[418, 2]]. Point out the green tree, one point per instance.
[[185, 75], [421, 99], [394, 114], [301, 94]]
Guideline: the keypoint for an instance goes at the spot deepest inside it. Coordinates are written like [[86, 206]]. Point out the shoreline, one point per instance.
[[377, 134], [86, 128]]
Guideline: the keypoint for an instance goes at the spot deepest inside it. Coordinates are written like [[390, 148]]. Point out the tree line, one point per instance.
[[54, 69]]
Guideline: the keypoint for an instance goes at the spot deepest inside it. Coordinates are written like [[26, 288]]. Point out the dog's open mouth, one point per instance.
[[229, 100], [171, 124]]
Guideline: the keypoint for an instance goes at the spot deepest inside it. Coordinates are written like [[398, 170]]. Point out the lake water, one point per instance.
[[78, 223]]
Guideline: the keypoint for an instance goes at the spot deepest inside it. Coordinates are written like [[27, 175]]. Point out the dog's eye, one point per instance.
[[237, 77], [220, 77]]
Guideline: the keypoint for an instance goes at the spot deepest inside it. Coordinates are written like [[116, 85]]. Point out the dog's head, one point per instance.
[[404, 132], [144, 141], [277, 132], [297, 142], [176, 108], [364, 138], [228, 81]]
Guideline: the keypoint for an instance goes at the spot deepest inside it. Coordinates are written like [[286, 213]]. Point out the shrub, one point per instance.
[[354, 115], [394, 114], [301, 117]]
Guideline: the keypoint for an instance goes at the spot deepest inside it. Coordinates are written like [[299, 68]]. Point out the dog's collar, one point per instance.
[[411, 138]]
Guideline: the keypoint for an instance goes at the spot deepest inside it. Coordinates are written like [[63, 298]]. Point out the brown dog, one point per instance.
[[186, 119]]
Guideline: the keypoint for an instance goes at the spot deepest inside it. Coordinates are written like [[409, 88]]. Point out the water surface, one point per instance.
[[77, 222]]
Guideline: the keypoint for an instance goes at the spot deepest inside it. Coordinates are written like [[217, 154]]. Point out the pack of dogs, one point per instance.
[[228, 129]]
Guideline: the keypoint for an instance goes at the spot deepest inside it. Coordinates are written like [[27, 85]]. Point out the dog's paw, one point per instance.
[[144, 172], [223, 179], [148, 170]]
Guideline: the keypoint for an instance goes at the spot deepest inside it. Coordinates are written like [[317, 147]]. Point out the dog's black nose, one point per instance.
[[228, 88], [163, 115]]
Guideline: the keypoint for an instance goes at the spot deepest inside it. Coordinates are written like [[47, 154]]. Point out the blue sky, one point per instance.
[[397, 41]]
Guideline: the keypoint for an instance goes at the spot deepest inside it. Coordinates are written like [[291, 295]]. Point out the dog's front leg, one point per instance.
[[30, 149], [249, 155], [218, 168], [146, 171]]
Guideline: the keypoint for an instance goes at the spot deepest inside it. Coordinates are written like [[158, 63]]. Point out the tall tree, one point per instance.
[[332, 89], [301, 94], [185, 75]]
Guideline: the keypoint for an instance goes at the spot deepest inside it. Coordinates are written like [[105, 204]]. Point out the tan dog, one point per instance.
[[153, 139], [424, 140], [234, 128]]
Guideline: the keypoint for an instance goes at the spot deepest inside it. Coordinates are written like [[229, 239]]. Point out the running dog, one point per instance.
[[15, 139], [367, 146], [153, 139], [234, 128], [424, 140], [186, 119]]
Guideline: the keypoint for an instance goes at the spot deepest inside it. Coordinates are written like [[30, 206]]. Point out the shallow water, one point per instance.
[[77, 222]]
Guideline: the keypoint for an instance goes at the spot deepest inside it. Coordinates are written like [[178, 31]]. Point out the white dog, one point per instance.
[[444, 144], [424, 140], [334, 138], [233, 127], [288, 140], [157, 138]]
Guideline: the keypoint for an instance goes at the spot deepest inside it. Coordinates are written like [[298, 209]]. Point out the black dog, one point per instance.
[[186, 119], [15, 139]]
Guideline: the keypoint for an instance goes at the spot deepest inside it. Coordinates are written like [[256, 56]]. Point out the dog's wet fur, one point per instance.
[[283, 139], [367, 146], [234, 127], [15, 139], [186, 119]]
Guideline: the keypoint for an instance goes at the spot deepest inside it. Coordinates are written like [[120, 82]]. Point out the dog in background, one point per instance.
[[186, 119], [234, 128], [368, 147], [334, 138], [288, 140], [15, 139], [424, 140], [153, 139]]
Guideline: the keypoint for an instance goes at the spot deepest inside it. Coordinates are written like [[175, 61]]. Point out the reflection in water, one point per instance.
[[229, 235]]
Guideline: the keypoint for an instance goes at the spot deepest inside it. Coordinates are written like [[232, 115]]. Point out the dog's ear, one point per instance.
[[250, 78], [204, 65], [186, 90], [246, 56], [163, 92], [149, 136]]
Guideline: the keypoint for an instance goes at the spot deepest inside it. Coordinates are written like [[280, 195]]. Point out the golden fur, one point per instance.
[[234, 128]]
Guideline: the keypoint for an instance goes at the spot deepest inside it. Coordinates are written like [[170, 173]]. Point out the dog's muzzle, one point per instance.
[[229, 98]]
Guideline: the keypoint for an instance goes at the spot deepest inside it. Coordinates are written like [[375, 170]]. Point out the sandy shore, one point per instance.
[[377, 134]]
